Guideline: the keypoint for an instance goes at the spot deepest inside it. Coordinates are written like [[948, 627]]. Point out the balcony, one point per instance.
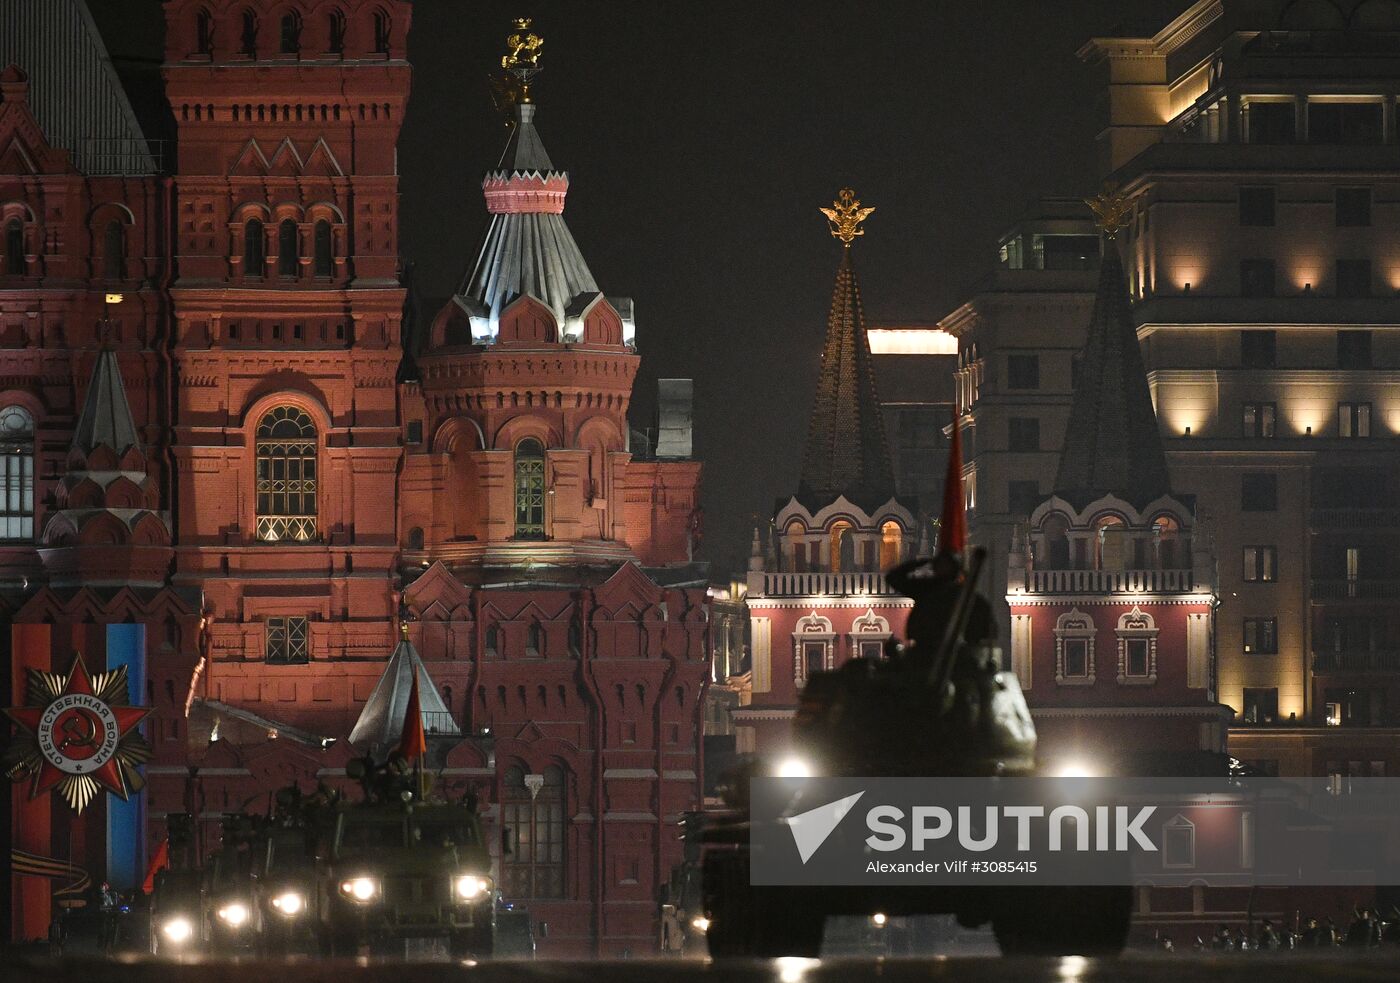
[[1109, 581], [819, 583], [1355, 590], [1323, 519], [1357, 660]]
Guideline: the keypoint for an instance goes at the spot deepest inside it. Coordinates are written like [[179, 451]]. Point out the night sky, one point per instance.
[[700, 139]]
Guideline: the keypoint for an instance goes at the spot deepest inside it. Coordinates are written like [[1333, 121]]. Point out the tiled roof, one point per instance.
[[1112, 444], [74, 92], [846, 451]]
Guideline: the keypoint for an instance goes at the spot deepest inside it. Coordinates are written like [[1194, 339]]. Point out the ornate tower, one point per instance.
[[1112, 588], [819, 597], [287, 310]]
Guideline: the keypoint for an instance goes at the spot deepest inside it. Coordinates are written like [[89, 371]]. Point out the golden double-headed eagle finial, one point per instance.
[[519, 66], [1112, 211], [845, 215]]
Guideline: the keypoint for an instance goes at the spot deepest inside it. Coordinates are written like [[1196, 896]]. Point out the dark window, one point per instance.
[[335, 29], [203, 33], [1261, 636], [381, 32], [291, 33], [1136, 651], [254, 248], [1259, 419], [1023, 433], [1272, 122], [16, 473], [14, 248], [493, 640], [1076, 657], [1023, 371], [114, 251], [1022, 497], [1353, 206], [1260, 564], [249, 40], [1260, 704], [415, 538], [287, 641], [286, 476], [1353, 278], [1257, 349], [532, 817], [529, 489], [1068, 252], [1344, 122], [1353, 419], [918, 436], [1257, 206], [415, 431], [1359, 706], [1259, 493], [534, 638], [1353, 349], [324, 260], [1256, 278], [575, 638], [813, 658], [287, 248]]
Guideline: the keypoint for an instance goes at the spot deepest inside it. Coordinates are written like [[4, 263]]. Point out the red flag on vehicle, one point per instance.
[[158, 862], [413, 744], [952, 528]]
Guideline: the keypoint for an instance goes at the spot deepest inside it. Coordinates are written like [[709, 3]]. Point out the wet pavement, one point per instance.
[[1154, 968]]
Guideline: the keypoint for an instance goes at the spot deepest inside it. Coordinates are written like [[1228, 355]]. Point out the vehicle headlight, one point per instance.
[[700, 923], [178, 929], [289, 903], [469, 887], [361, 889], [794, 767], [235, 914]]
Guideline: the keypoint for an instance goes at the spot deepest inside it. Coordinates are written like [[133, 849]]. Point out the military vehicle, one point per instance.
[[233, 917], [955, 713], [177, 915], [397, 871]]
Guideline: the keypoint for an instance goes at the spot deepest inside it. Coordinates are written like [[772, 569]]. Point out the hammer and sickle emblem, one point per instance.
[[75, 734]]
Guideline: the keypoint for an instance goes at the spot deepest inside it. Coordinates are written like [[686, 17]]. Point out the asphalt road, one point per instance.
[[1165, 968]]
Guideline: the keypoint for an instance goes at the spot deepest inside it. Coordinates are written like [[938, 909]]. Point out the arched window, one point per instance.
[[254, 248], [1056, 531], [287, 248], [291, 33], [1111, 544], [842, 547], [324, 261], [529, 489], [286, 476], [891, 542], [114, 251], [335, 32], [381, 32], [16, 473], [415, 538], [532, 816], [249, 40], [14, 247], [203, 33]]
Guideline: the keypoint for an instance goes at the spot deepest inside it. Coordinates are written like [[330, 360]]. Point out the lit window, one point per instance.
[[891, 544], [1261, 636], [1260, 564], [532, 818], [1259, 419], [1354, 419], [842, 547], [286, 476], [287, 642], [529, 489], [16, 473]]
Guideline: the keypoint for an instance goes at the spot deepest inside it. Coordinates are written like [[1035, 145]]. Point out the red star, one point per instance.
[[108, 774]]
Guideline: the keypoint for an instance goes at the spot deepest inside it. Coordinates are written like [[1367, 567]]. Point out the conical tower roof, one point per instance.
[[846, 452], [106, 419], [1112, 444], [381, 720]]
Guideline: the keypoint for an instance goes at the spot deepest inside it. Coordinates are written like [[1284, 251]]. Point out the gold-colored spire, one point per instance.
[[1112, 211], [519, 65], [845, 215]]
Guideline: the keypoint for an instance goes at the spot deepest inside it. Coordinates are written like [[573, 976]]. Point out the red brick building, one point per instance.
[[257, 446]]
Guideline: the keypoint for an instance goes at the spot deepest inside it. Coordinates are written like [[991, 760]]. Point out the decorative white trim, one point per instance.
[[1074, 626], [886, 601], [1137, 625], [867, 628], [812, 629]]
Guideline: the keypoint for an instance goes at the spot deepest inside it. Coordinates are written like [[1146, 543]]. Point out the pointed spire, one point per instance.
[[1112, 444], [756, 551], [381, 722], [106, 417], [952, 527], [846, 452]]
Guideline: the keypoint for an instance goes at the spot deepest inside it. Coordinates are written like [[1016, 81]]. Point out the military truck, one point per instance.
[[233, 917], [397, 871], [909, 714], [178, 916]]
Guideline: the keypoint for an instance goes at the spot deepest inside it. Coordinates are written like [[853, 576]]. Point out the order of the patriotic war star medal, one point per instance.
[[77, 734]]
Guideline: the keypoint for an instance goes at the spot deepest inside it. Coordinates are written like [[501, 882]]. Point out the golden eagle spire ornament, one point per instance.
[[845, 215], [1112, 211], [519, 66]]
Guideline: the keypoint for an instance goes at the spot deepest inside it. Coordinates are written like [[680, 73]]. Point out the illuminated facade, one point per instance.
[[235, 479], [1258, 144]]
